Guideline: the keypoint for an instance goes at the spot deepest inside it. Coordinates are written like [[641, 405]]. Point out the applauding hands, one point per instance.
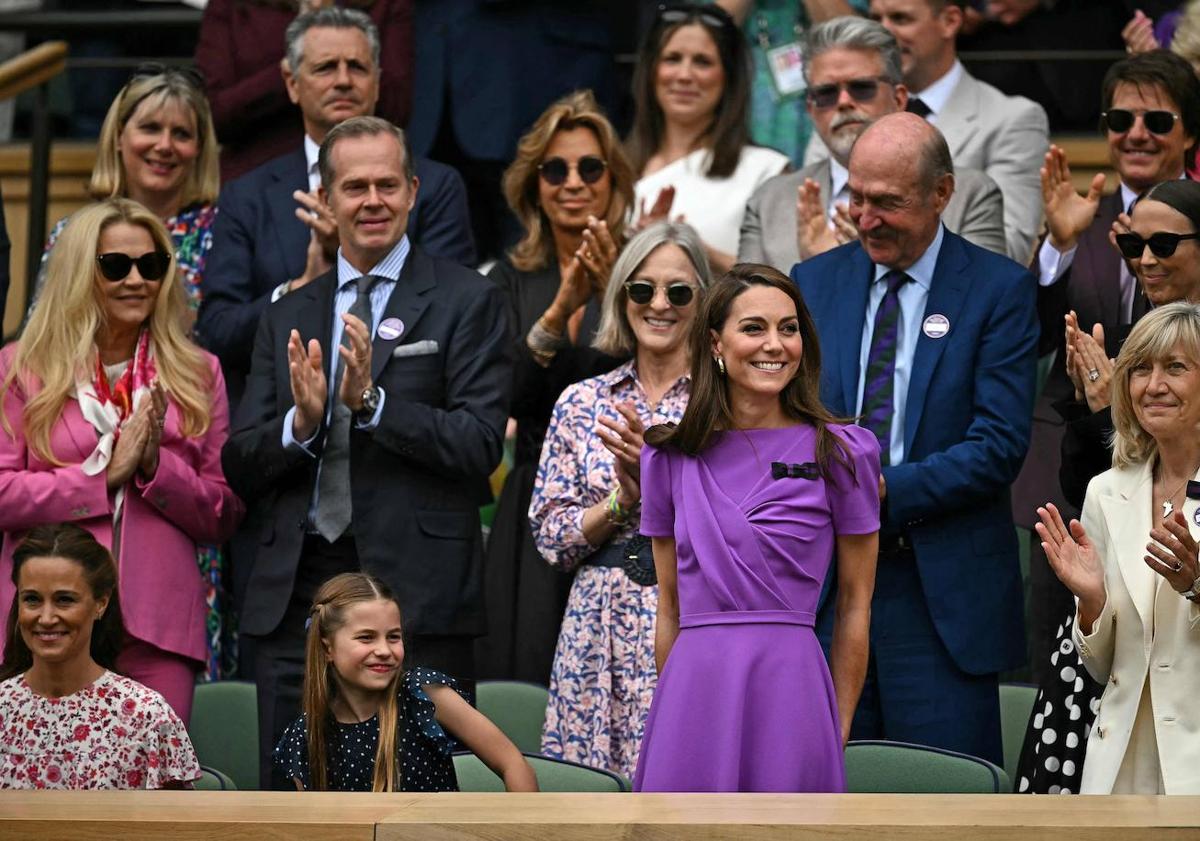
[[137, 445], [1068, 214]]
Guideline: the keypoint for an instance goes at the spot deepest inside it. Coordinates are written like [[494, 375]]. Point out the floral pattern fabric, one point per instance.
[[604, 674], [112, 734]]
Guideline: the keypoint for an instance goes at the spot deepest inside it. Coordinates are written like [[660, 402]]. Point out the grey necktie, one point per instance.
[[333, 486]]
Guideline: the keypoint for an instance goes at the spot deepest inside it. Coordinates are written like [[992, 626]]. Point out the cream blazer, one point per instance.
[[1144, 632]]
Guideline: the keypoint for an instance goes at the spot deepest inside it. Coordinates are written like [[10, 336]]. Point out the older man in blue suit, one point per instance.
[[931, 341]]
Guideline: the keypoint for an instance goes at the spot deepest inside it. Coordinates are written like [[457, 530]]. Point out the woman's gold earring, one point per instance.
[[721, 365]]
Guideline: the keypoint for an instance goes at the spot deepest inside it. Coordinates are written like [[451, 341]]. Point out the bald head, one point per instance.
[[901, 178]]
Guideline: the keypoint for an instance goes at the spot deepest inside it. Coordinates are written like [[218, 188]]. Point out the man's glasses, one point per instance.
[[1162, 244], [642, 292], [860, 90], [151, 266], [1120, 120], [554, 171]]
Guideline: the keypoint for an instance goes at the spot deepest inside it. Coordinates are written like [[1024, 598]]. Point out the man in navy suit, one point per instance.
[[272, 235], [932, 341]]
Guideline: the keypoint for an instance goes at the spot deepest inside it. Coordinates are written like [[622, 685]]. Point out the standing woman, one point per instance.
[[747, 501], [584, 511], [690, 144], [571, 186], [114, 420]]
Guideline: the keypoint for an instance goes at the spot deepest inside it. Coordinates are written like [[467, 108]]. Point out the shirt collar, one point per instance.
[[938, 94], [921, 272], [628, 372], [839, 177], [311, 153], [1128, 196], [388, 268]]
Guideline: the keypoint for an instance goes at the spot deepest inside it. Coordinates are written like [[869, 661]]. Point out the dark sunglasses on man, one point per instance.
[[554, 171], [116, 266], [1121, 120], [1162, 244], [642, 292], [860, 90]]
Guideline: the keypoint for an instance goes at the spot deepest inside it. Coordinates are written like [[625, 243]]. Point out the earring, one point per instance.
[[720, 360]]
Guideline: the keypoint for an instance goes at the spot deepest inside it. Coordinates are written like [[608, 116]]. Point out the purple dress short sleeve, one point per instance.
[[658, 506], [854, 498]]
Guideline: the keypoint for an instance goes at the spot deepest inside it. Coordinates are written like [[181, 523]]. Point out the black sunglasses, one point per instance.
[[148, 69], [554, 171], [860, 90], [1120, 120], [713, 16], [1162, 244], [642, 292], [151, 266]]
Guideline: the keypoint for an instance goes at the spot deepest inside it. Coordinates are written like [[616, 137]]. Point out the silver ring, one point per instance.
[[1177, 566], [1093, 375]]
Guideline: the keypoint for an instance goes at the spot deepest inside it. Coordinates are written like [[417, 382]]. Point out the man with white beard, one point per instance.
[[853, 70]]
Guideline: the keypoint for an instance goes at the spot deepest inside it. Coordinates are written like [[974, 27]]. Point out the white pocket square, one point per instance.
[[422, 348]]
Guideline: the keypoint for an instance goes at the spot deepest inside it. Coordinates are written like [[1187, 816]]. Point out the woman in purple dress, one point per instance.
[[748, 500]]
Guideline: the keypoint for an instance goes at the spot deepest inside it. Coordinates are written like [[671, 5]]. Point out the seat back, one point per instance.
[[552, 775], [213, 780], [518, 709], [879, 767], [224, 730], [1016, 706]]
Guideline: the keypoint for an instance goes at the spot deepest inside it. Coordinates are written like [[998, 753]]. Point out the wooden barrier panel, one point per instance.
[[233, 816]]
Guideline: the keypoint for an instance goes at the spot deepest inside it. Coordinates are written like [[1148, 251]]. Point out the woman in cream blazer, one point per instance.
[[1132, 565]]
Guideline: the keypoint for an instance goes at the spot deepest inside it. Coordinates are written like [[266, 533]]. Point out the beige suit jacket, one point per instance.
[[768, 235], [1146, 631]]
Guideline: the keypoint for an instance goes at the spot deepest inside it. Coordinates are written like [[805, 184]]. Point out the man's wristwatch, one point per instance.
[[370, 403]]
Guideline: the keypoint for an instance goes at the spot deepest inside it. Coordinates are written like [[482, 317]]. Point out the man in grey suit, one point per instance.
[[1005, 136], [853, 70]]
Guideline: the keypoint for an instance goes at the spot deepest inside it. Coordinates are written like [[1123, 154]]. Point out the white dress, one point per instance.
[[713, 206]]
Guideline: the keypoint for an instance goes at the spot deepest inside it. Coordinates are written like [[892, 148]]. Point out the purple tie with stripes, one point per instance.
[[879, 383]]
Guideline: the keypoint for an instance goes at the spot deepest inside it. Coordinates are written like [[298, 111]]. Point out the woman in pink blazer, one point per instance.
[[114, 420]]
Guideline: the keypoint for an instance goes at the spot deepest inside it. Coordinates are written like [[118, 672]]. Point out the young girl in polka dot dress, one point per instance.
[[371, 725]]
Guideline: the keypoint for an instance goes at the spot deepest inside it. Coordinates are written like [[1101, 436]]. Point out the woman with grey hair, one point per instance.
[[586, 500], [1134, 556]]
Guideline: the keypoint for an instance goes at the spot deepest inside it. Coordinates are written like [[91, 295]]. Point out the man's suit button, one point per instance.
[[1113, 680], [1099, 732], [300, 524]]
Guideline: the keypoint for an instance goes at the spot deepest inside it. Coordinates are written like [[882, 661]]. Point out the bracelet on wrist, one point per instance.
[[615, 512]]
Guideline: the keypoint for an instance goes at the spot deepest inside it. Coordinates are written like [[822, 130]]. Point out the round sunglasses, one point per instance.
[[554, 171], [151, 266], [1121, 120], [642, 292], [1162, 244]]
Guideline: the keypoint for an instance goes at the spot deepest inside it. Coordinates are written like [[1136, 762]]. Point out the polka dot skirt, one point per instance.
[[1056, 740], [425, 748]]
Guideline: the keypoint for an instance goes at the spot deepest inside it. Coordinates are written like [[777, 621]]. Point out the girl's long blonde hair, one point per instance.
[[58, 345], [328, 614]]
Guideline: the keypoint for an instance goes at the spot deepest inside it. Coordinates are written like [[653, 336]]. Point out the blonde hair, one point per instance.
[[1154, 338], [58, 345], [614, 336], [520, 183], [327, 615], [1186, 41], [170, 86]]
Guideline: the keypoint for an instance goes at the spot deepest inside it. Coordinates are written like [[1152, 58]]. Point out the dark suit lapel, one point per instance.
[[407, 303], [314, 319], [1103, 263], [947, 294], [853, 287], [287, 176]]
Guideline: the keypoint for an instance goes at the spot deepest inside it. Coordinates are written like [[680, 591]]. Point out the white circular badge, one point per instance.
[[936, 326], [391, 328]]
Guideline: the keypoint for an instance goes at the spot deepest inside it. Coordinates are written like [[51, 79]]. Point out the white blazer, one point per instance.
[[1143, 630]]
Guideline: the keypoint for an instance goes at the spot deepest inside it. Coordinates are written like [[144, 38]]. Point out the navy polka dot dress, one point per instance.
[[425, 748]]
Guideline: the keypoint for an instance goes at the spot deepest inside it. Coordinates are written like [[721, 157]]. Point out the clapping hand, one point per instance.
[[131, 443], [597, 253], [157, 418], [1138, 34], [1172, 552], [624, 439], [306, 369], [1091, 369], [660, 211], [813, 235], [1068, 214], [1074, 560], [356, 362]]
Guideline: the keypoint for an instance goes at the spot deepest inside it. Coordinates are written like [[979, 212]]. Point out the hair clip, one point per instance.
[[808, 470], [308, 623]]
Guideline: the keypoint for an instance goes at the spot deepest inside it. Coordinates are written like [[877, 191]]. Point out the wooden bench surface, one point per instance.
[[233, 816]]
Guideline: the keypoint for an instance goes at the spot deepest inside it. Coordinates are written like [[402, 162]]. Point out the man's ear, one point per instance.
[[289, 81], [951, 20]]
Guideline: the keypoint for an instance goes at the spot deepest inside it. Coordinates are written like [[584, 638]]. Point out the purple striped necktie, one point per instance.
[[879, 384]]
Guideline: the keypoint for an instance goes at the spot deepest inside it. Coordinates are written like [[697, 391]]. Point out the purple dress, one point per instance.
[[745, 701]]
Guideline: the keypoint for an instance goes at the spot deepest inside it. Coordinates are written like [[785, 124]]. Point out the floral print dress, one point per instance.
[[191, 231], [112, 734], [604, 674]]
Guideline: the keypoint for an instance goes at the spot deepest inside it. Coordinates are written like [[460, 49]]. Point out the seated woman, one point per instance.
[[690, 146], [67, 720], [114, 420], [1133, 569]]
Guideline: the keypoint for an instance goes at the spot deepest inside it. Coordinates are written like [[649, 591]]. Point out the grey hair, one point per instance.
[[936, 162], [854, 33], [614, 336], [330, 17], [361, 127]]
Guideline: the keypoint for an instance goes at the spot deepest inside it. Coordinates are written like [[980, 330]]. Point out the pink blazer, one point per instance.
[[185, 504]]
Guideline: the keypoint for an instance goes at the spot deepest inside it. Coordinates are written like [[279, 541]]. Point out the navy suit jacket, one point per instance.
[[417, 479], [967, 421], [258, 243]]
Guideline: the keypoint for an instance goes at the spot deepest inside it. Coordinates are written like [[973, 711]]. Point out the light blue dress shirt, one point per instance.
[[913, 297]]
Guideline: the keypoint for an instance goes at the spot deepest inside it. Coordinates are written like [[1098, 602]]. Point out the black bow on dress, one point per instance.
[[808, 470]]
